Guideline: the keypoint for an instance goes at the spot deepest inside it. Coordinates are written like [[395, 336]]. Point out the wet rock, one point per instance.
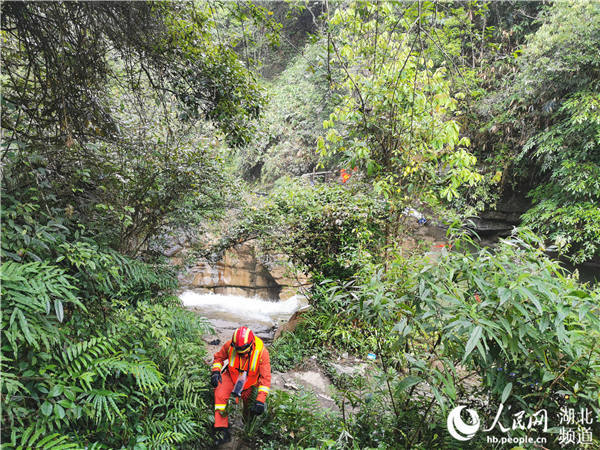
[[241, 257], [311, 378], [249, 279], [350, 369], [239, 271], [291, 324], [314, 379], [172, 251]]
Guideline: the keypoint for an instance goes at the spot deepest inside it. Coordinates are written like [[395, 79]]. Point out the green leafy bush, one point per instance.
[[517, 319], [484, 326], [95, 349], [327, 230], [30, 292], [141, 382], [291, 349], [554, 98], [394, 115], [295, 421]]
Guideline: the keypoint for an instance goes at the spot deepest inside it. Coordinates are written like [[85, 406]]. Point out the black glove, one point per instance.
[[215, 378], [258, 408]]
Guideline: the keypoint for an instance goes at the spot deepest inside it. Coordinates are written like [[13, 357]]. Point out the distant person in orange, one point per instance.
[[242, 363]]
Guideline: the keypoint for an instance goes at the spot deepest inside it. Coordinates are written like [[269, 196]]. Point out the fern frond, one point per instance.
[[182, 423], [166, 439], [82, 356], [38, 438], [186, 324], [103, 406], [145, 372], [28, 293]]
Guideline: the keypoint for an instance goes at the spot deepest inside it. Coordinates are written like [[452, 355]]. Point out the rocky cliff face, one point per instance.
[[239, 272], [498, 222]]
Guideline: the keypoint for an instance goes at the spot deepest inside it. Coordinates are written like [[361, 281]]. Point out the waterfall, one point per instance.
[[240, 309]]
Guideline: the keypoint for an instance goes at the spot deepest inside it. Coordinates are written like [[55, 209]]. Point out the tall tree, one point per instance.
[[116, 108]]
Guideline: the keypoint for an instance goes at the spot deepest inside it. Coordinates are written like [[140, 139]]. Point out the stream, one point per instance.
[[228, 312]]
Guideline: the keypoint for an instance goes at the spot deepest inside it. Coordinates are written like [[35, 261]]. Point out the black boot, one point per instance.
[[223, 436]]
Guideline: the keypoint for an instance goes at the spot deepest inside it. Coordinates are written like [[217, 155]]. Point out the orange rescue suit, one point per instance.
[[256, 362]]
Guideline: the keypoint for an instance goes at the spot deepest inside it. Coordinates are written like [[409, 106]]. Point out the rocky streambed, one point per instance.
[[228, 312], [239, 290]]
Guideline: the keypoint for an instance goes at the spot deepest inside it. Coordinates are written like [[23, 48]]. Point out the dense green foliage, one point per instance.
[[80, 365], [119, 146], [551, 117], [394, 115], [295, 420], [94, 348], [508, 326], [111, 117], [170, 45], [327, 230], [300, 101]]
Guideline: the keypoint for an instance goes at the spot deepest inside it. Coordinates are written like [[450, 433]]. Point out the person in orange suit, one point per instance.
[[245, 355]]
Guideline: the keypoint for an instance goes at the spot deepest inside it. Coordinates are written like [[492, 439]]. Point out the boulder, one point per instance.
[[291, 324], [172, 251], [241, 257]]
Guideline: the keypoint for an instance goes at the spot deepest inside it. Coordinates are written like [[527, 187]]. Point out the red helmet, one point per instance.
[[242, 340]]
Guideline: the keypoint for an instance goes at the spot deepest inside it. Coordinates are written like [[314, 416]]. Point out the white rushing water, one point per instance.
[[243, 309]]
